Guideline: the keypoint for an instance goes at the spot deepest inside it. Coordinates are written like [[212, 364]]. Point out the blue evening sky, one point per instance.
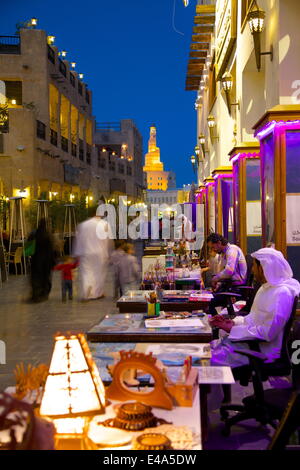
[[133, 61]]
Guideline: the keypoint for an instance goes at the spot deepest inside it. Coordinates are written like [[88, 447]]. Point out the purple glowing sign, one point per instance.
[[270, 126]]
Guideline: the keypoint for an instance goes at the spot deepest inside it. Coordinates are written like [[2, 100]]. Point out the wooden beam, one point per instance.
[[196, 61], [201, 37], [199, 46], [204, 19], [209, 9], [203, 29], [198, 54]]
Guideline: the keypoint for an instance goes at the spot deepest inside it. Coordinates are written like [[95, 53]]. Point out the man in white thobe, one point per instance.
[[270, 311], [92, 248]]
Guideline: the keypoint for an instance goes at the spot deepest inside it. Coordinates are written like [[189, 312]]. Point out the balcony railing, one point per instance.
[[10, 45], [64, 144], [53, 137]]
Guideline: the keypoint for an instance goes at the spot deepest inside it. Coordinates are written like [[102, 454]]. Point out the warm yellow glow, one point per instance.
[[63, 53], [13, 101], [50, 40], [227, 82], [81, 76], [256, 19], [211, 121], [91, 198], [69, 425], [104, 149], [73, 386], [72, 196], [73, 65], [23, 192], [33, 21]]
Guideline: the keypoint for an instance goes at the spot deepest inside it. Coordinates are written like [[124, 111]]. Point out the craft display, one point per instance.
[[164, 393], [152, 441], [133, 417], [30, 381]]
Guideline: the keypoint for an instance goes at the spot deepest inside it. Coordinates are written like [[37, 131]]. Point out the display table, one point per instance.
[[178, 416], [176, 301], [131, 328]]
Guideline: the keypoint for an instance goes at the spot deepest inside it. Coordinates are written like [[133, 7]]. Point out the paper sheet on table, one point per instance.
[[215, 375], [178, 323], [175, 354]]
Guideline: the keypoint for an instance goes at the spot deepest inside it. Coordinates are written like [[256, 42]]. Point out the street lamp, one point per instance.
[[50, 40], [81, 76], [211, 125], [202, 143], [227, 84], [73, 65], [63, 53], [256, 20], [33, 22]]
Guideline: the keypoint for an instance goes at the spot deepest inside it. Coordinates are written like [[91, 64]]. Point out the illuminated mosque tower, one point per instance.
[[155, 176]]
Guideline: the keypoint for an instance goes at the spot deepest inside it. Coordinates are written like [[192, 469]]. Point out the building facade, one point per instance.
[[48, 145], [119, 148], [46, 140], [245, 69]]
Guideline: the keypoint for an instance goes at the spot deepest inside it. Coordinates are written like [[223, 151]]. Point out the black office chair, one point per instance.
[[255, 406], [246, 291]]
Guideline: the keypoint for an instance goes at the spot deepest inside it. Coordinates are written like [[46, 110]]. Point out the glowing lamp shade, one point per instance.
[[73, 65], [227, 82], [81, 76], [211, 121], [193, 159], [63, 53], [197, 150], [33, 21], [202, 139], [50, 39], [256, 20], [73, 392]]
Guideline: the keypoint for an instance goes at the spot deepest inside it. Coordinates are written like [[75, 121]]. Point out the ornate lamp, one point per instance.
[[202, 143], [256, 20], [227, 84], [33, 22], [50, 40], [74, 392], [211, 125]]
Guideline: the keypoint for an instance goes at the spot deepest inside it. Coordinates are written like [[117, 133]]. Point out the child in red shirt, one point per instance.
[[66, 277]]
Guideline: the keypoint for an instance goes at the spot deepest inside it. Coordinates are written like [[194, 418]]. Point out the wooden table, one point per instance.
[[130, 328], [178, 416], [136, 303]]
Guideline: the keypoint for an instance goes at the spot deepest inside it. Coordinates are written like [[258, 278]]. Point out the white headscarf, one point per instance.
[[277, 270]]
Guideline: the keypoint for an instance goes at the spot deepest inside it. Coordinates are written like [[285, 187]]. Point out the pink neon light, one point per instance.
[[270, 126], [223, 175], [238, 156]]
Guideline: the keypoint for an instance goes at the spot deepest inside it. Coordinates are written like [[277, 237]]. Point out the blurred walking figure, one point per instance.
[[42, 262], [131, 273], [116, 259], [66, 269], [92, 249]]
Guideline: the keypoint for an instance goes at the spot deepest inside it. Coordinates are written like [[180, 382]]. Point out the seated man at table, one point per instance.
[[232, 269], [270, 311]]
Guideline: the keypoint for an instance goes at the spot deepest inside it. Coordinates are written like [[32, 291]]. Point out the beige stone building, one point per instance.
[[47, 131], [46, 144], [119, 147]]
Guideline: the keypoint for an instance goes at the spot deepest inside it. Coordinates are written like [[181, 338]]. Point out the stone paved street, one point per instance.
[[28, 329]]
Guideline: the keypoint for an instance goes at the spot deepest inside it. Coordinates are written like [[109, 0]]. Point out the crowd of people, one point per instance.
[[93, 252]]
